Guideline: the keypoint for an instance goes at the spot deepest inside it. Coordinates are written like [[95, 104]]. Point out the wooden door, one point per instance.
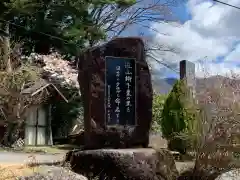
[[36, 127], [41, 127]]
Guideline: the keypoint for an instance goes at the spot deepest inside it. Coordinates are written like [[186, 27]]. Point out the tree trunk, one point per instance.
[[7, 139], [6, 48], [13, 133]]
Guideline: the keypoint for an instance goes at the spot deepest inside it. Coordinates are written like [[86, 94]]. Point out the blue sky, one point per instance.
[[181, 12], [205, 33]]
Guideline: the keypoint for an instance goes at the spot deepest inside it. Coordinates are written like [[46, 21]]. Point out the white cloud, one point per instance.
[[212, 32]]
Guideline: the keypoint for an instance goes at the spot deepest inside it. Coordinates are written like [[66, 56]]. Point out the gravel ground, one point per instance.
[[60, 173], [53, 173]]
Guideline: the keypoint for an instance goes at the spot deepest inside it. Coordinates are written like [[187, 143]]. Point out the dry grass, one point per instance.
[[12, 171], [34, 171]]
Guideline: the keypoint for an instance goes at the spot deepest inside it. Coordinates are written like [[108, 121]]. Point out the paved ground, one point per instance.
[[22, 158]]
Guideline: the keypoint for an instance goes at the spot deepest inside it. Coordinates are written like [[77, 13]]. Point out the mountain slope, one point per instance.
[[164, 86]]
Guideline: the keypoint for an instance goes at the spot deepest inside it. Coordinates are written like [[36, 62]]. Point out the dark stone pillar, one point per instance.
[[187, 72]]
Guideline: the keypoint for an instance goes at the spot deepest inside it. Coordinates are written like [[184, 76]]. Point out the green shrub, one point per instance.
[[158, 103], [178, 116]]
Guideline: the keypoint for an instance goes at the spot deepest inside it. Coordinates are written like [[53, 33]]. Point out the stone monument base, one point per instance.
[[116, 137], [124, 164]]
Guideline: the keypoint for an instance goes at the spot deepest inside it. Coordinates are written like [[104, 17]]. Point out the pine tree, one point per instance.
[[178, 114]]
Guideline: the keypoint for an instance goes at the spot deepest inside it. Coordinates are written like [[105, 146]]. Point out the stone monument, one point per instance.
[[187, 72], [117, 93], [115, 83]]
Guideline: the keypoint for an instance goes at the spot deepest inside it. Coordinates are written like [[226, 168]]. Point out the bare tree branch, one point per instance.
[[163, 63], [115, 19]]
